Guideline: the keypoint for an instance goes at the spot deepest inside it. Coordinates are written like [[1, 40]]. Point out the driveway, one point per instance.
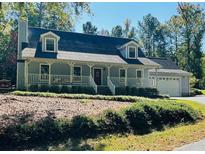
[[196, 146], [199, 98]]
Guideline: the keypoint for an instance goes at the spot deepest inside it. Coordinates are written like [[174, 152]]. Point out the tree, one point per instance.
[[147, 33], [127, 24], [88, 28], [192, 30], [174, 35], [104, 32], [117, 31]]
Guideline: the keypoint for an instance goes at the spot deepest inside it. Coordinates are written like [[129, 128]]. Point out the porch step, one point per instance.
[[104, 90]]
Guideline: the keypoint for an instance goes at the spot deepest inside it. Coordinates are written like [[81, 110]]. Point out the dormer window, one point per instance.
[[50, 44], [132, 52]]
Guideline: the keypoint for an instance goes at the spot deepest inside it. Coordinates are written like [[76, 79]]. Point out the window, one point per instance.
[[44, 72], [122, 75], [139, 73], [77, 73], [50, 43], [132, 52]]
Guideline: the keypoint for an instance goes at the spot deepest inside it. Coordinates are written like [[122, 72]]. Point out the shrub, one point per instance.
[[133, 91], [112, 122], [44, 88], [195, 92], [55, 89], [137, 119], [82, 127], [66, 89], [33, 88]]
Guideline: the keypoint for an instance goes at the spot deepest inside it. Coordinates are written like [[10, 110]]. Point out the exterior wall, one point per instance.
[[60, 69], [20, 82], [63, 69], [185, 85]]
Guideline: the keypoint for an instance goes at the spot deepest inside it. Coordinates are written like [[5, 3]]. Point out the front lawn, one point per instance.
[[177, 121], [161, 140]]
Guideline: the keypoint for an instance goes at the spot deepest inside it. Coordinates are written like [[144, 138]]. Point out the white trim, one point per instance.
[[49, 69], [55, 43], [77, 76], [128, 52], [128, 44], [101, 73], [49, 33]]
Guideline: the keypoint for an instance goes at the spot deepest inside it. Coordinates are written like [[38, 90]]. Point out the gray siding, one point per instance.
[[20, 76], [185, 85]]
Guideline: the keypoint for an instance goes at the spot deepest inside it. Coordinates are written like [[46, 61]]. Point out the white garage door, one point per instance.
[[168, 85]]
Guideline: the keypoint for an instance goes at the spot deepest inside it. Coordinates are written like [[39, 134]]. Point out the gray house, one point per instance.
[[66, 58]]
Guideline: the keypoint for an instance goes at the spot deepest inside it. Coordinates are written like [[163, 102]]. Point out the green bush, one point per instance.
[[83, 127], [66, 89], [195, 92], [55, 89], [137, 119], [44, 88], [112, 122], [33, 88], [133, 91]]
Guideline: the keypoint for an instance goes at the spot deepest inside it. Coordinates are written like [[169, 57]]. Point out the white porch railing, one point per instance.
[[93, 84], [57, 79], [133, 82], [111, 85]]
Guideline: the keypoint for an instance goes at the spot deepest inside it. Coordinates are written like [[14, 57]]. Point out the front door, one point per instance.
[[97, 76]]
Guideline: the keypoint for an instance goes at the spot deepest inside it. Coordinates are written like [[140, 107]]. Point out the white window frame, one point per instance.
[[49, 69], [129, 52], [73, 75], [123, 77], [142, 73], [49, 38]]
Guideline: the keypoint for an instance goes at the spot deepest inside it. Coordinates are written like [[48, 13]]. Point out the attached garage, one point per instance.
[[168, 85], [169, 79]]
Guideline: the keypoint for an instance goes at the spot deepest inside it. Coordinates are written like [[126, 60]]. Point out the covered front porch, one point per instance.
[[96, 75]]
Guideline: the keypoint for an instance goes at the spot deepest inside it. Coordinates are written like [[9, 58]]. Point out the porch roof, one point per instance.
[[87, 57]]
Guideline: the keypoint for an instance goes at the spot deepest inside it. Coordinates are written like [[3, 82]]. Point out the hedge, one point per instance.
[[133, 91], [139, 118], [61, 89]]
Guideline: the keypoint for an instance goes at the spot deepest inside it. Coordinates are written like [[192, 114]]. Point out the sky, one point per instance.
[[108, 15]]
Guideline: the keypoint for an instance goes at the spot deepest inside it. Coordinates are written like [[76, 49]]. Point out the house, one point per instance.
[[66, 58]]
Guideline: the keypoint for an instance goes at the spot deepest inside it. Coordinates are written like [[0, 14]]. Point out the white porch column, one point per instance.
[[90, 67], [156, 78], [26, 74], [49, 76], [71, 72], [108, 71], [126, 76]]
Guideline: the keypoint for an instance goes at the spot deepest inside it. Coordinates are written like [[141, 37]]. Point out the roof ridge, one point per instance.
[[81, 33]]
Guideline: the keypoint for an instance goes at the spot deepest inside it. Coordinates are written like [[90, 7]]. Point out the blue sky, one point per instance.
[[108, 15]]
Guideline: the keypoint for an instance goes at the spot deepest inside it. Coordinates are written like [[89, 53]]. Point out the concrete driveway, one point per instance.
[[196, 146], [199, 98]]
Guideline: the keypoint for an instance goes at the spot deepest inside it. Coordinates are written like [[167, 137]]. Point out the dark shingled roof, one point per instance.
[[78, 42], [165, 63]]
